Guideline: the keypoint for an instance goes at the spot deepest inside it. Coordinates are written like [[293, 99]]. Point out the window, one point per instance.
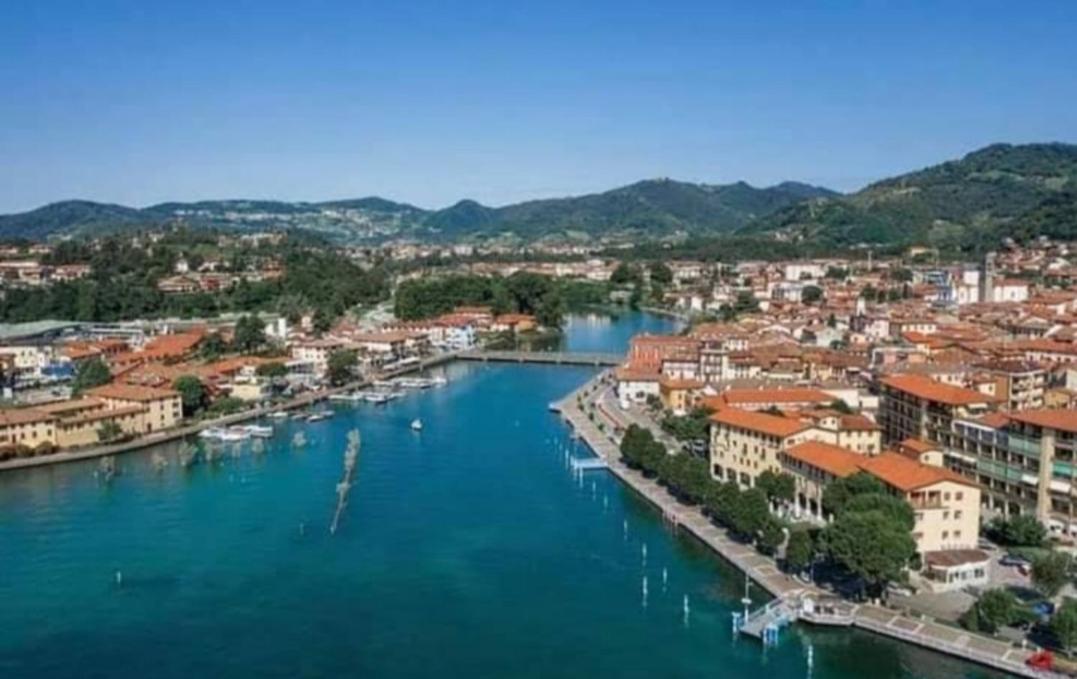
[[959, 496]]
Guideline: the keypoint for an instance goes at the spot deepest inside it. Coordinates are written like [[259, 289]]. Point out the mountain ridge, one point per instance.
[[656, 206], [990, 193]]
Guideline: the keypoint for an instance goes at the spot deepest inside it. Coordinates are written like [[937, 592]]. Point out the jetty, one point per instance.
[[789, 594]]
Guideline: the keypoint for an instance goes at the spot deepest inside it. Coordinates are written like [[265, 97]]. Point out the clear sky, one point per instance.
[[430, 102]]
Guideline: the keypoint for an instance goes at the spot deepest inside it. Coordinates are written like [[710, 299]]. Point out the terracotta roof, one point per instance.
[[931, 390], [15, 416], [130, 392], [907, 475], [772, 425], [627, 373], [792, 395], [1049, 418], [834, 460], [857, 423]]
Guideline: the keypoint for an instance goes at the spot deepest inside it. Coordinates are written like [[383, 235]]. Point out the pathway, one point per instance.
[[762, 569]]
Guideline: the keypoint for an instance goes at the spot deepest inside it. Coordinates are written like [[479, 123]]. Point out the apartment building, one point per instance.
[[744, 444], [1026, 463], [914, 406]]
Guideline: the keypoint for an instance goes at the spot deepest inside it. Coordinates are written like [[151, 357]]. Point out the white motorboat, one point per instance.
[[416, 425], [319, 416], [349, 397], [260, 431], [438, 381], [278, 415], [231, 434], [377, 398]]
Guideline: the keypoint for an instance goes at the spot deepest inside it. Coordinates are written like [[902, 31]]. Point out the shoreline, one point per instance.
[[301, 401], [764, 571]]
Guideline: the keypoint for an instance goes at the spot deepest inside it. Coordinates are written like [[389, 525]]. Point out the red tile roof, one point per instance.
[[1049, 418], [907, 475], [772, 425], [130, 392], [834, 460], [931, 390]]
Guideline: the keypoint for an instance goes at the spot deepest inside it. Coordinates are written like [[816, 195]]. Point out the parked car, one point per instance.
[[1014, 560]]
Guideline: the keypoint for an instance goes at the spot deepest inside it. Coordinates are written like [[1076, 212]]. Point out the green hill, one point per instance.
[[1001, 190], [650, 208]]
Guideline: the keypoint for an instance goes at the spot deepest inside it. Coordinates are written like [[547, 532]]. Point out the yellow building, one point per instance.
[[744, 444], [163, 407], [26, 427]]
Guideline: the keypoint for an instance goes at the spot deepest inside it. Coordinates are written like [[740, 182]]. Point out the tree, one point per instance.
[[745, 303], [109, 431], [720, 500], [995, 608], [250, 334], [660, 273], [1020, 531], [841, 491], [840, 406], [1050, 573], [193, 394], [624, 274], [871, 545], [893, 507], [322, 321], [749, 513], [551, 310], [212, 346], [1064, 624], [799, 550], [811, 294], [771, 536], [776, 486], [340, 366], [272, 370], [91, 373]]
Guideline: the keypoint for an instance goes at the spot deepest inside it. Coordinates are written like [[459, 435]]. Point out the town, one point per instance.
[[890, 427]]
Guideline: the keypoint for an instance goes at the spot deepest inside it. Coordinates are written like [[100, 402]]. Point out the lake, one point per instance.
[[467, 549]]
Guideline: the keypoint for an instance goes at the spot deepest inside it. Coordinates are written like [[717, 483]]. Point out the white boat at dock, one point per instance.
[[378, 398], [319, 416], [260, 431], [229, 434], [278, 415], [348, 397]]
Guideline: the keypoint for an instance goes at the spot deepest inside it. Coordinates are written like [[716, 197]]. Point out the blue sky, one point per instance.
[[431, 102]]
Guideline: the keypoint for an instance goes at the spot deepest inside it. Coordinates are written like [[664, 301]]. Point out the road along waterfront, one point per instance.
[[762, 569]]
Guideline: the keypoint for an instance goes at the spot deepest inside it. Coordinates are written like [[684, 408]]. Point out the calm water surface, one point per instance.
[[467, 550]]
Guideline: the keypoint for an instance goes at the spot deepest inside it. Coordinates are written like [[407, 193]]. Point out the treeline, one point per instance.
[[542, 296], [869, 536], [124, 277]]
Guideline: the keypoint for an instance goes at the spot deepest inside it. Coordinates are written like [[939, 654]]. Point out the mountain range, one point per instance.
[[1000, 190]]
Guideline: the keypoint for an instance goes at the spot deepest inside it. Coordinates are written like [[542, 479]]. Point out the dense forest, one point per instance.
[[544, 297]]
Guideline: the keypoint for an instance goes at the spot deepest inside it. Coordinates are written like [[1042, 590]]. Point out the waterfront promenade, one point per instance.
[[298, 402], [762, 569]]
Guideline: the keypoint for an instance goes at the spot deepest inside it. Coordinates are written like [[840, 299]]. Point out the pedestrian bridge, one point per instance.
[[549, 357]]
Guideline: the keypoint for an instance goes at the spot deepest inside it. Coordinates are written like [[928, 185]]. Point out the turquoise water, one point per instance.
[[468, 549]]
